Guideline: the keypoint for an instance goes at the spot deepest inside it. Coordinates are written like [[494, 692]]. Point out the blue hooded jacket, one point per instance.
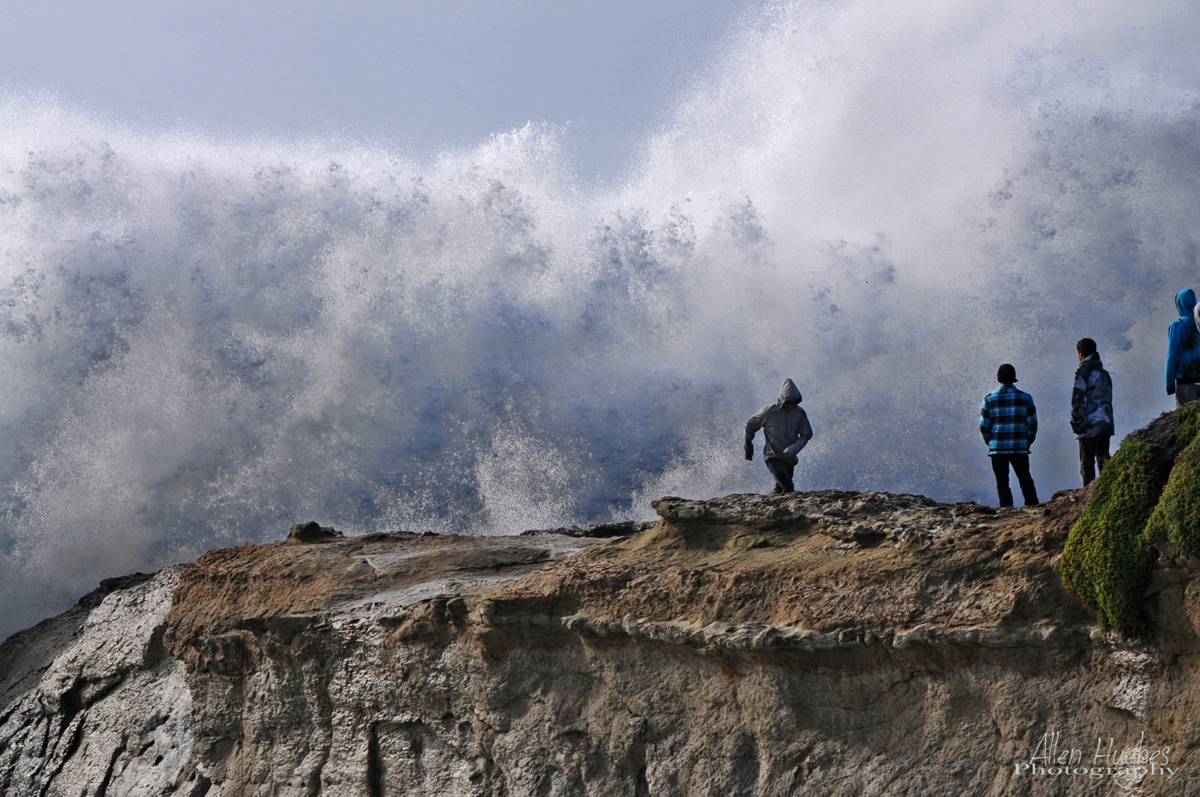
[[1183, 342]]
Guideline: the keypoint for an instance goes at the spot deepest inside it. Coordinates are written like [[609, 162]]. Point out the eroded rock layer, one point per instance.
[[824, 643]]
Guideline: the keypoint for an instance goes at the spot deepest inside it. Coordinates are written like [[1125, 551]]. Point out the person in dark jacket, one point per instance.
[[1008, 423], [785, 432], [1091, 410], [1183, 351]]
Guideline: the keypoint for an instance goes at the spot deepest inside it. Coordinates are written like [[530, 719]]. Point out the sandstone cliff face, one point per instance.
[[824, 643], [91, 703]]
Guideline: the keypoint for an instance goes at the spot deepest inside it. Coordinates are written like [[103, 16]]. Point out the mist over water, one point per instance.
[[207, 341]]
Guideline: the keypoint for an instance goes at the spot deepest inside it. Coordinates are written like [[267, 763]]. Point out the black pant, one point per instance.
[[1093, 453], [1186, 393], [1020, 465], [782, 470]]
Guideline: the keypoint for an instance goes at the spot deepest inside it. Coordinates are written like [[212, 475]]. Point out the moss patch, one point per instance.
[[1177, 516], [1108, 557], [1151, 487]]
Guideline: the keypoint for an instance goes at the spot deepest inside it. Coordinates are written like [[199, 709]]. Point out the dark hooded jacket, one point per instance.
[[1183, 342], [1091, 399], [785, 433]]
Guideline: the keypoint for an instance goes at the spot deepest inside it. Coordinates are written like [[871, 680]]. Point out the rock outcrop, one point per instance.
[[91, 703], [825, 643]]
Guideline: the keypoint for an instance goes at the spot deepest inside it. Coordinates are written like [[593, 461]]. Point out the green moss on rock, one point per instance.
[[1187, 424], [1108, 557], [1151, 487], [1177, 516]]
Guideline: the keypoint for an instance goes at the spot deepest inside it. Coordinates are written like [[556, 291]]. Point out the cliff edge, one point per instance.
[[824, 643]]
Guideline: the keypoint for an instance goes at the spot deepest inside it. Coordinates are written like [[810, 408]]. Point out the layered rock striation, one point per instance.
[[824, 643]]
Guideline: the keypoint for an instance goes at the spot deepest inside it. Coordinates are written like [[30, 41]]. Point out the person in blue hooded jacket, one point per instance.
[[785, 432], [1183, 351]]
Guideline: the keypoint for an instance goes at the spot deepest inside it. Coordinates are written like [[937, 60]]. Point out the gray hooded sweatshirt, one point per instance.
[[785, 433]]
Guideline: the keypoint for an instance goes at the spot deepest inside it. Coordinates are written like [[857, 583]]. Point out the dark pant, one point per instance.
[[1186, 393], [782, 470], [1093, 453], [1020, 465]]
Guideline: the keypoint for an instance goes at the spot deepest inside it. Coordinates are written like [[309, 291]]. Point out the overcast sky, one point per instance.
[[421, 75]]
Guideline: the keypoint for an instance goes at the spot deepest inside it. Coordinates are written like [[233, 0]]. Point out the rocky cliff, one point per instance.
[[824, 643]]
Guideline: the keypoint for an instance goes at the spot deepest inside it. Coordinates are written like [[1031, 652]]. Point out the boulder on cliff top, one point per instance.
[[311, 533]]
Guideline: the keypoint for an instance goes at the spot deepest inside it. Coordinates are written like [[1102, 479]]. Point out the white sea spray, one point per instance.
[[205, 341]]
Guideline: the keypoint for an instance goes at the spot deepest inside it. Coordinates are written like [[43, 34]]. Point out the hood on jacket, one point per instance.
[[1185, 302], [1089, 364], [789, 392]]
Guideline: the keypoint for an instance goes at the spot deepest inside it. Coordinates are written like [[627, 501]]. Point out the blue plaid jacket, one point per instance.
[[1008, 421]]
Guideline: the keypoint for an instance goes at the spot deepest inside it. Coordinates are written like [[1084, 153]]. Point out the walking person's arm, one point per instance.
[[805, 434], [752, 426]]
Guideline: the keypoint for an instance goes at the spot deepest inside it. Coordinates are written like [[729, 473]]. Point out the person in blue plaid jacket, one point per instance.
[[1008, 423]]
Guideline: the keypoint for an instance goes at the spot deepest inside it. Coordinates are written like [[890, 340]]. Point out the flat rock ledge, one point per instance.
[[824, 643]]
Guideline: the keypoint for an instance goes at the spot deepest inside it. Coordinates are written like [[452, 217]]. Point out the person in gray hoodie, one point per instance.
[[785, 432]]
